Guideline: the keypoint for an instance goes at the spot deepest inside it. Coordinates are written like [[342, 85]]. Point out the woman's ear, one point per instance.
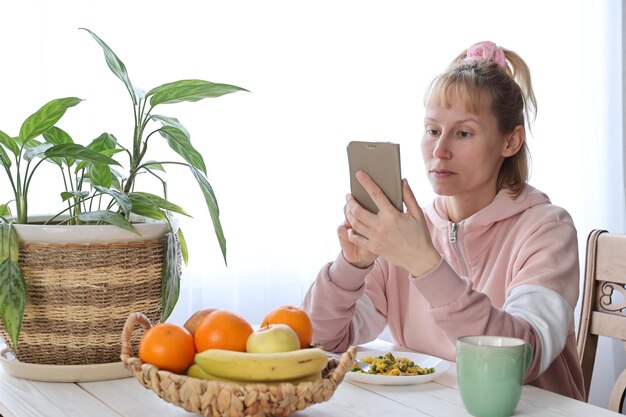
[[514, 141]]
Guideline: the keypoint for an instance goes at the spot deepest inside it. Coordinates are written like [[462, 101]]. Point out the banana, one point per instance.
[[196, 372], [256, 367]]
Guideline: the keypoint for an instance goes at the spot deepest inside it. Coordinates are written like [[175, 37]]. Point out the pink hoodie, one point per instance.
[[509, 270]]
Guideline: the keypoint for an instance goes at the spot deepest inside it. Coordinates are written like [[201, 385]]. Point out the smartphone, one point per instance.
[[381, 161]]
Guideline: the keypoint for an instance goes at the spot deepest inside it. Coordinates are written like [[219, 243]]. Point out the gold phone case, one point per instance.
[[381, 161]]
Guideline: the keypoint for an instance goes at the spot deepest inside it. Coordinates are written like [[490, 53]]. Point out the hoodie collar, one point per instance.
[[502, 207]]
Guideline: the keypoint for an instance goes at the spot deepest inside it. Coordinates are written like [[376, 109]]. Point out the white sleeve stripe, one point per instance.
[[548, 312], [367, 323]]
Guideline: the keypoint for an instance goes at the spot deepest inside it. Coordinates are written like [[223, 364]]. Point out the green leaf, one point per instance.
[[183, 246], [142, 206], [115, 183], [79, 195], [154, 165], [116, 65], [12, 286], [103, 142], [10, 143], [77, 151], [4, 158], [44, 118], [100, 175], [189, 90], [32, 143], [170, 276], [170, 121], [122, 199], [139, 93], [109, 217], [37, 152], [109, 152], [4, 210], [57, 136], [105, 152], [12, 298], [9, 243], [214, 211], [180, 143], [162, 203]]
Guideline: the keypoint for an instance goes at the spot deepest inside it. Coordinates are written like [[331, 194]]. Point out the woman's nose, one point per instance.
[[441, 149]]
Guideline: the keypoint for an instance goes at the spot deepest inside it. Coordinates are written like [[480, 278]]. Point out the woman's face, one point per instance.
[[462, 151]]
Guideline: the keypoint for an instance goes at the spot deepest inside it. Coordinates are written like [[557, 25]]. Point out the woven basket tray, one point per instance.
[[225, 399]]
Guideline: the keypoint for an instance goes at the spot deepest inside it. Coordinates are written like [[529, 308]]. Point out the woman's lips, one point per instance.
[[441, 173]]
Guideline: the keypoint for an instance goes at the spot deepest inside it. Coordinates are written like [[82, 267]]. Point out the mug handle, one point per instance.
[[528, 356]]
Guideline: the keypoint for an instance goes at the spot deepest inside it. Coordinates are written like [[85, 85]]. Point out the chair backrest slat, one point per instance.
[[609, 325], [611, 258]]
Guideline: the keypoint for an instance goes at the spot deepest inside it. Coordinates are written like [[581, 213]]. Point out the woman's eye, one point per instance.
[[464, 134], [432, 132]]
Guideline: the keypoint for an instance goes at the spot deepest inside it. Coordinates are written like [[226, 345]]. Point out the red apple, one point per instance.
[[196, 318]]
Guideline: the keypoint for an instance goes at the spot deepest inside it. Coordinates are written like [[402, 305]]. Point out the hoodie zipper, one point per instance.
[[454, 227]]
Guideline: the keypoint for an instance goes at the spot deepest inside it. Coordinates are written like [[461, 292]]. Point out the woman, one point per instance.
[[491, 255]]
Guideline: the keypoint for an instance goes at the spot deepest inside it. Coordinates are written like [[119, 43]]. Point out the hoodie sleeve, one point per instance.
[[340, 311], [540, 297]]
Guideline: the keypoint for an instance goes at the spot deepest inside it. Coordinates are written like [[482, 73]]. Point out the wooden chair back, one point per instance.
[[603, 311]]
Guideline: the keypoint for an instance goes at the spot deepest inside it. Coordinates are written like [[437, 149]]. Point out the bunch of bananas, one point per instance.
[[230, 350], [245, 367]]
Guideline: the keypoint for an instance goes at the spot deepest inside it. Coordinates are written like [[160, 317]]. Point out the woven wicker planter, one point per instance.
[[82, 282]]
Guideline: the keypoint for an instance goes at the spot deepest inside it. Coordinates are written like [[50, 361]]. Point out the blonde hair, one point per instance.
[[505, 90]]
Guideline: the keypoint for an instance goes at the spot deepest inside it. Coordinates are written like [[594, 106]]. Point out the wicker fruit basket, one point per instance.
[[226, 399]]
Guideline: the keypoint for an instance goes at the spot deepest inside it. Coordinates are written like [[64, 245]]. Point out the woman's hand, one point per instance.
[[401, 238]]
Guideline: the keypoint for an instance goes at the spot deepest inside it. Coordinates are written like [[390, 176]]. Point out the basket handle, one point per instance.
[[132, 320], [344, 365]]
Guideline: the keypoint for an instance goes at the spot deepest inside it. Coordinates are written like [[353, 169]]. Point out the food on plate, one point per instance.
[[294, 317], [387, 364], [167, 346], [246, 366], [222, 329], [273, 338]]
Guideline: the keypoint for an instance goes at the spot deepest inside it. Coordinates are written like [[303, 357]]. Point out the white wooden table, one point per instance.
[[127, 398]]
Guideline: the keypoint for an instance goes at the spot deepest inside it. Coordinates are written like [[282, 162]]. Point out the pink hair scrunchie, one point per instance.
[[487, 51]]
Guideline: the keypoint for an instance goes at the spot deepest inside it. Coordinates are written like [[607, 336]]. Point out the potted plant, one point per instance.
[[100, 194]]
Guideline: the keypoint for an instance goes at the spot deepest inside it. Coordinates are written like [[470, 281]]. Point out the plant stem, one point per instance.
[[141, 120], [20, 205], [29, 176], [22, 209], [11, 180], [69, 204], [65, 210]]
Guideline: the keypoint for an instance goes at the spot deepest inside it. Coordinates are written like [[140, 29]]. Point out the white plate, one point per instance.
[[62, 373], [425, 361]]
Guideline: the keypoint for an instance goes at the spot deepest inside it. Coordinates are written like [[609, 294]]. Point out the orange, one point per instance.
[[168, 346], [295, 318], [222, 329]]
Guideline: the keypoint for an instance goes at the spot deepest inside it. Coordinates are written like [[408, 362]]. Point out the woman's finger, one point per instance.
[[374, 191], [412, 207], [358, 239], [358, 217]]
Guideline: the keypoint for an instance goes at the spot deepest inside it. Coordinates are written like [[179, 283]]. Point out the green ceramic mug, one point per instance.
[[491, 373]]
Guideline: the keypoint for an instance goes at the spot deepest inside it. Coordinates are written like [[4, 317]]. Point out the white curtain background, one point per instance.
[[601, 175], [320, 74]]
